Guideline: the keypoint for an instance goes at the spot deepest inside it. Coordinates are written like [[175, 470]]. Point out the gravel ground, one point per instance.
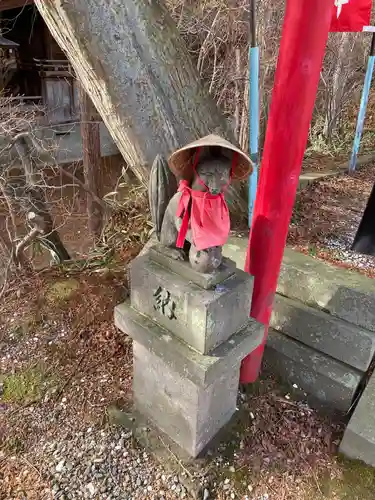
[[340, 248], [107, 463], [104, 464]]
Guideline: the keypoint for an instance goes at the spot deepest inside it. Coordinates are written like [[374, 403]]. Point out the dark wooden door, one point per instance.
[[57, 96]]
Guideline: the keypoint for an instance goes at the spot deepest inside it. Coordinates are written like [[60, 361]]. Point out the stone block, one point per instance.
[[345, 294], [342, 293], [190, 414], [328, 380], [341, 340], [201, 318], [359, 437], [200, 369], [310, 177]]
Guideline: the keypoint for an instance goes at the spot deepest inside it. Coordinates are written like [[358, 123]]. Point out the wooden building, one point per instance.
[[39, 72], [8, 60]]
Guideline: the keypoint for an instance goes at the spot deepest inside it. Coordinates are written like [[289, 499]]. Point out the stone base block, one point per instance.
[[324, 378], [342, 293], [359, 437], [339, 339], [200, 369], [190, 414], [188, 395], [203, 318], [345, 294]]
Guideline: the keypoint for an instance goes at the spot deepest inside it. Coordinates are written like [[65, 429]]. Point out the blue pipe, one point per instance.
[[253, 125], [362, 113]]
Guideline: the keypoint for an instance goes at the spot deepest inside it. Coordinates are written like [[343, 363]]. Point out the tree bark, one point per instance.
[[130, 59], [339, 81], [90, 131]]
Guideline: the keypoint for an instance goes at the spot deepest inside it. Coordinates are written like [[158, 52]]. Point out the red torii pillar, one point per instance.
[[304, 38]]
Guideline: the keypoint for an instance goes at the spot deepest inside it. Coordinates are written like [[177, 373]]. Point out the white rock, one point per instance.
[[91, 488], [60, 466]]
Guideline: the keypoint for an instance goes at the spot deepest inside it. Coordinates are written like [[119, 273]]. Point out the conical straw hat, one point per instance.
[[180, 162]]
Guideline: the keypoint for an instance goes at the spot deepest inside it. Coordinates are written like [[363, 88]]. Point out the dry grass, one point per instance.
[[217, 35]]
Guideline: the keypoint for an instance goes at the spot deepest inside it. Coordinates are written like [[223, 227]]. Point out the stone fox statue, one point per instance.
[[193, 220]]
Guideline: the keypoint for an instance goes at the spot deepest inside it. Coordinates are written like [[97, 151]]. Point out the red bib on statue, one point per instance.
[[209, 218]]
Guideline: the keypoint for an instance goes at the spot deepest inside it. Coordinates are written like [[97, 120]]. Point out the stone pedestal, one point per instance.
[[190, 332]]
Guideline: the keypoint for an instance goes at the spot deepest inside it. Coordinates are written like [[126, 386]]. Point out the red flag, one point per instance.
[[351, 15], [303, 42]]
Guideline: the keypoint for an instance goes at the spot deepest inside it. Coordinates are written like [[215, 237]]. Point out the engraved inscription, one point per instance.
[[164, 303]]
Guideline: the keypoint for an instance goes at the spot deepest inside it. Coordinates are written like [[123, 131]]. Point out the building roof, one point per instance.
[[4, 42]]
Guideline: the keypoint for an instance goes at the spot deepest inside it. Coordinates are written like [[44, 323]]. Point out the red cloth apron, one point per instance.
[[209, 214]]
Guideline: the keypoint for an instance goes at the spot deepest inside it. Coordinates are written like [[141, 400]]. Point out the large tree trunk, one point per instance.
[[132, 62], [90, 132]]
